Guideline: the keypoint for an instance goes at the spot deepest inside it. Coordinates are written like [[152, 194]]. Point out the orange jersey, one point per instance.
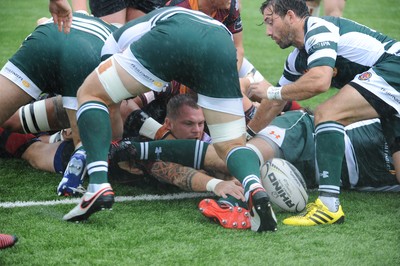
[[229, 17]]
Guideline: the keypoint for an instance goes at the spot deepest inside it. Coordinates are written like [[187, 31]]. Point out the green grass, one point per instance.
[[174, 232]]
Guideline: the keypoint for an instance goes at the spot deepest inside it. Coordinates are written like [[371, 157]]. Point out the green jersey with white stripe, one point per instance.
[[57, 62]]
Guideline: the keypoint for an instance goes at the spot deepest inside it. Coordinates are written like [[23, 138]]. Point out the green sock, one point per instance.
[[329, 137], [243, 164], [187, 152], [95, 131]]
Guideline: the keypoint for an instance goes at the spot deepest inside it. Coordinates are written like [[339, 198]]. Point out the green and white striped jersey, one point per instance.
[[345, 45]]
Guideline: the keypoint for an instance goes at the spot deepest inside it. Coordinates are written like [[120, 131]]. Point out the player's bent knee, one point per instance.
[[227, 136], [223, 148]]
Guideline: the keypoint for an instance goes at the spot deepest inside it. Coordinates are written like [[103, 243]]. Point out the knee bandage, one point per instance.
[[227, 131], [33, 117], [111, 81]]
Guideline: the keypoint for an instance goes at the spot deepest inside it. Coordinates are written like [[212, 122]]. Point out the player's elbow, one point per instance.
[[321, 85]]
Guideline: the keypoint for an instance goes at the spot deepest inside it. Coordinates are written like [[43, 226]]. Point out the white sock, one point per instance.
[[332, 203], [94, 187]]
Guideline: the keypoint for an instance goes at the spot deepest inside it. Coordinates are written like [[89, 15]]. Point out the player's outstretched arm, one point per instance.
[[190, 179]]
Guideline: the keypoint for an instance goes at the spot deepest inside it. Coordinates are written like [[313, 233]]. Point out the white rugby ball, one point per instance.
[[284, 184]]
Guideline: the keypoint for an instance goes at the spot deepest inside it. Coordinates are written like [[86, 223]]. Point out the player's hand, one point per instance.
[[62, 14], [258, 89], [231, 187]]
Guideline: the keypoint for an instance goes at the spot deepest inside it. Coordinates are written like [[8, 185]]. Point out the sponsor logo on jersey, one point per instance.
[[320, 45], [365, 76]]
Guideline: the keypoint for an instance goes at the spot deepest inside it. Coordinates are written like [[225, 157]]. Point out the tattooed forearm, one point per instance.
[[172, 173]]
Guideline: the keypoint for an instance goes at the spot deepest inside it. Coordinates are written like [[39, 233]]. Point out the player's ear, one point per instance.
[[168, 123], [291, 15]]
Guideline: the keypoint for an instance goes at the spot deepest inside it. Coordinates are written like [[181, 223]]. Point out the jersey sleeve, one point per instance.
[[295, 66], [321, 42]]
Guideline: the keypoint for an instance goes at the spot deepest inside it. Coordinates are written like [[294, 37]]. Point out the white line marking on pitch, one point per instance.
[[145, 197]]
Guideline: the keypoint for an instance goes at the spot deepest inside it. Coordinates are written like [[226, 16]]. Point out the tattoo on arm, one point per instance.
[[172, 173]]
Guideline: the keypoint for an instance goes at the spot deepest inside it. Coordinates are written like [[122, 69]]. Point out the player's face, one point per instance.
[[189, 125], [277, 28], [221, 4]]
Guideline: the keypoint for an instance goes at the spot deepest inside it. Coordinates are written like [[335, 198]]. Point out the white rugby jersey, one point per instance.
[[347, 46]]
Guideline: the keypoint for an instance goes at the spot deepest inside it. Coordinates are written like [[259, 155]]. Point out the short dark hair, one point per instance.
[[176, 102], [281, 7]]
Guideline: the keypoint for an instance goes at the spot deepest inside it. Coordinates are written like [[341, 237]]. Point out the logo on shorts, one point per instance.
[[157, 84], [365, 76], [26, 84], [275, 134]]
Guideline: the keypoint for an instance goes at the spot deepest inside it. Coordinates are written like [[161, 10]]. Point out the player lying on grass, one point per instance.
[[184, 120], [368, 165], [32, 148]]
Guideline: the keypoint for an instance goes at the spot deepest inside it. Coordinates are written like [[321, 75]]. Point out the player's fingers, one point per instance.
[[238, 195], [223, 195], [252, 91], [60, 24], [241, 196], [237, 182], [68, 23]]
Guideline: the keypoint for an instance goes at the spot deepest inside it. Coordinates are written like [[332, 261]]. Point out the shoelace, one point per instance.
[[309, 210], [80, 189]]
